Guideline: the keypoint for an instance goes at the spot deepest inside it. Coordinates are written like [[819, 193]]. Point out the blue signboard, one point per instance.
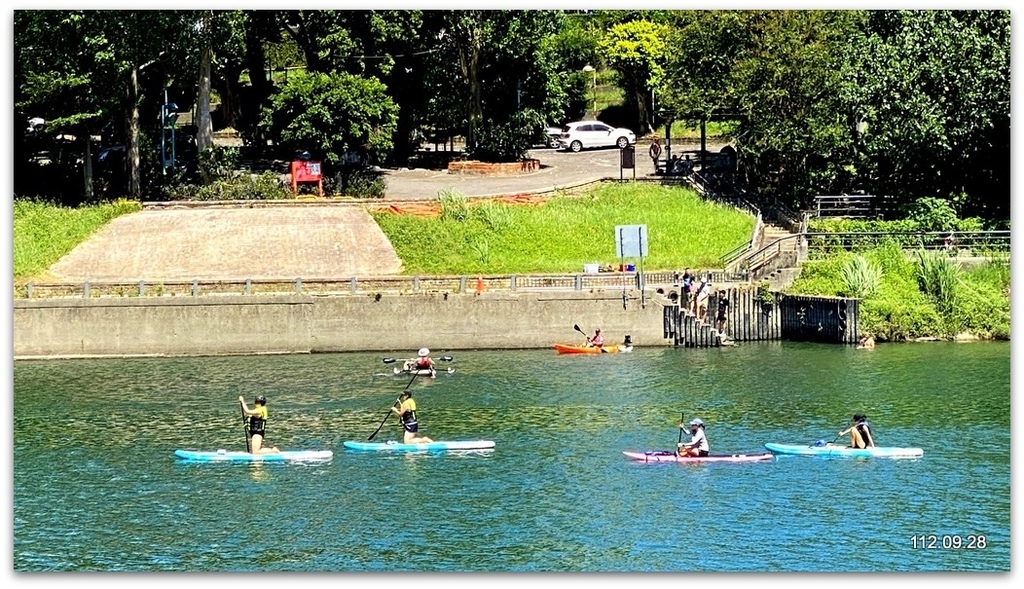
[[630, 241]]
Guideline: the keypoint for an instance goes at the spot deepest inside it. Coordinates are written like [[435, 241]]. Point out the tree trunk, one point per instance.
[[204, 124], [87, 164], [468, 43], [256, 63], [132, 147]]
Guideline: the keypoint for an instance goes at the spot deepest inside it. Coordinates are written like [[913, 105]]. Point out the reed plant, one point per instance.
[[860, 276], [44, 232], [938, 277]]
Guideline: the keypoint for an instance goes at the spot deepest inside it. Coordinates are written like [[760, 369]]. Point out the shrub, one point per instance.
[[933, 214], [219, 163], [359, 182], [265, 186], [508, 141]]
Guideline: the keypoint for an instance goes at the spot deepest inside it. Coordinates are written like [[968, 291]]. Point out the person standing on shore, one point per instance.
[[723, 314]]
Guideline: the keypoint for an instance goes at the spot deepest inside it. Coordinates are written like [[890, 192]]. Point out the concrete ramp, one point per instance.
[[233, 244]]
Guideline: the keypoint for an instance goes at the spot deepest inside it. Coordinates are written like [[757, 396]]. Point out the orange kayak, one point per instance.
[[571, 349]]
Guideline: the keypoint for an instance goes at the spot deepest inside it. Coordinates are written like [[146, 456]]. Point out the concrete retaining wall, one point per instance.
[[265, 324]]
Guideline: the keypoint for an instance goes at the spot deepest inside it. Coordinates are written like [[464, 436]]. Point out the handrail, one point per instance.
[[361, 285], [995, 240], [984, 240]]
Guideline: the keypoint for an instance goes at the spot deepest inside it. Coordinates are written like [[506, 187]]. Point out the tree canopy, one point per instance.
[[906, 104]]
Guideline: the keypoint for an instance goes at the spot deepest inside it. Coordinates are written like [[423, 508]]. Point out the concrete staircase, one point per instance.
[[782, 264]]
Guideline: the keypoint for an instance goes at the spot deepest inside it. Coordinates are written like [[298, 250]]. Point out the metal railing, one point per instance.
[[365, 285], [956, 243]]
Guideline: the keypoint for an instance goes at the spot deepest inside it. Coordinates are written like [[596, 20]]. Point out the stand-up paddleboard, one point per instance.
[[837, 451], [392, 446], [668, 456], [232, 456]]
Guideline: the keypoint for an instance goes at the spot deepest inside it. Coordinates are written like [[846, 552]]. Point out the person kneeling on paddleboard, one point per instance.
[[257, 426], [698, 444], [407, 414], [860, 432]]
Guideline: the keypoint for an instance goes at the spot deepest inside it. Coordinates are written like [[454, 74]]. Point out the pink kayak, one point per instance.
[[669, 456]]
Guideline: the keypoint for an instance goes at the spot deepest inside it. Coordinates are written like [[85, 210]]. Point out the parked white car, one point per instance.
[[587, 134]]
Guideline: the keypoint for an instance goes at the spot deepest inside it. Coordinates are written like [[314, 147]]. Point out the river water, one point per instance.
[[97, 487]]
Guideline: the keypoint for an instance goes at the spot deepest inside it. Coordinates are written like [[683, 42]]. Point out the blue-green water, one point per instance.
[[97, 488]]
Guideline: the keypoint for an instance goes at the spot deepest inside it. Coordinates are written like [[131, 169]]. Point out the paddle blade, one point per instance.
[[388, 360], [577, 328], [446, 358]]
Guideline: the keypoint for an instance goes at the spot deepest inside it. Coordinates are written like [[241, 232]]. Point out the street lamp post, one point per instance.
[[168, 116], [590, 68]]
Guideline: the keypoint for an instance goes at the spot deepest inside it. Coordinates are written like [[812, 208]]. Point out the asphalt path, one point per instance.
[[559, 170]]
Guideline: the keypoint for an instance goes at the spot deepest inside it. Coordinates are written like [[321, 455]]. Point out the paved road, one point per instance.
[[559, 169]]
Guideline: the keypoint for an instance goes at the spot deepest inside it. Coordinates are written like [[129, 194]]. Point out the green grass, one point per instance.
[[44, 232], [681, 130], [565, 233]]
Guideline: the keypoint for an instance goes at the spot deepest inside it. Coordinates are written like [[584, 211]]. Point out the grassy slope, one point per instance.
[[43, 233], [565, 233]]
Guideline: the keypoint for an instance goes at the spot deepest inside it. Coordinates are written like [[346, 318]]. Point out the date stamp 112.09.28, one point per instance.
[[948, 542]]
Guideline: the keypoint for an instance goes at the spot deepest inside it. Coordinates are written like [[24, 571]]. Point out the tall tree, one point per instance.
[[939, 111], [80, 69], [637, 51]]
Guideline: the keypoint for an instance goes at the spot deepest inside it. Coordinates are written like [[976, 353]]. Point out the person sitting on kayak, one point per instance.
[[597, 341], [698, 444], [257, 425], [860, 432], [407, 414], [627, 344], [422, 361]]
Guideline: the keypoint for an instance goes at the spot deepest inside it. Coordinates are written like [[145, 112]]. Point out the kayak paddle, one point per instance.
[[577, 328], [393, 360], [374, 434], [682, 417], [820, 443], [245, 427]]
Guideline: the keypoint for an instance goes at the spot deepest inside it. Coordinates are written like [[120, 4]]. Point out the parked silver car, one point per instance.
[[552, 137], [587, 134]]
